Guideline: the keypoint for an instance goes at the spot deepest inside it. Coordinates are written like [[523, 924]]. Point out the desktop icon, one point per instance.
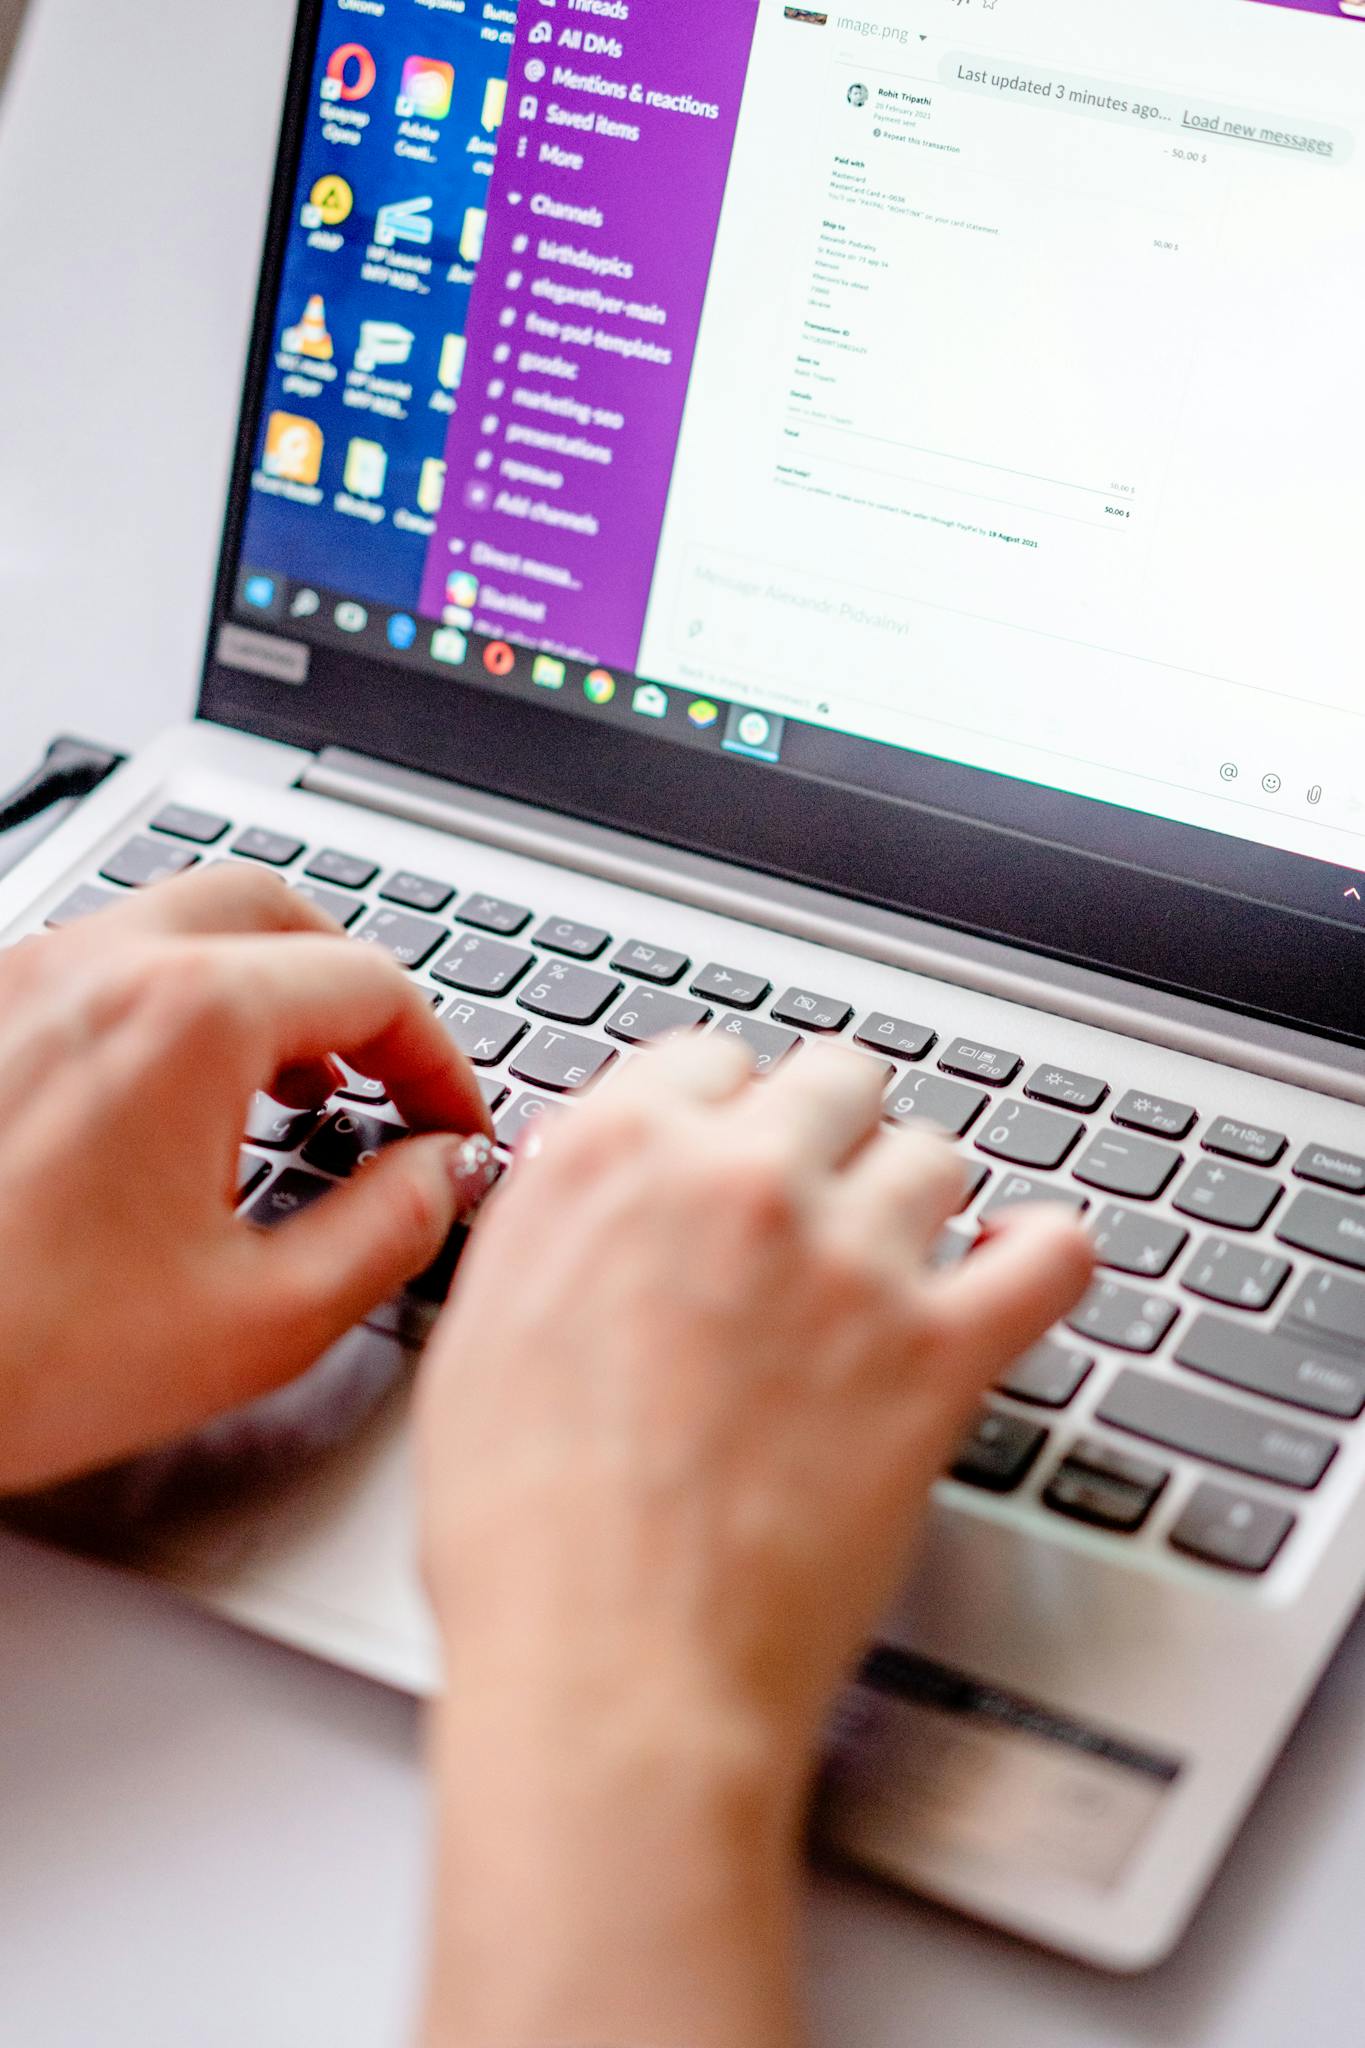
[[462, 589], [293, 448], [367, 469], [449, 646], [599, 687], [703, 714], [431, 486], [453, 352], [499, 659], [427, 89], [330, 202], [305, 604], [351, 617], [383, 343], [494, 104], [259, 592], [548, 673], [402, 631], [310, 338], [405, 220], [472, 233], [351, 73], [650, 701]]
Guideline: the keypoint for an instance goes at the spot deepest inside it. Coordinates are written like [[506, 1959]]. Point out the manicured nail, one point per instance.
[[475, 1172]]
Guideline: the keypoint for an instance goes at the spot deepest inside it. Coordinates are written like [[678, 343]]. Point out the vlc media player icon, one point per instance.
[[499, 659]]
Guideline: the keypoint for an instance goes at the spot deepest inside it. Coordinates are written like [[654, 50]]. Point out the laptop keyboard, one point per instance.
[[1174, 1196]]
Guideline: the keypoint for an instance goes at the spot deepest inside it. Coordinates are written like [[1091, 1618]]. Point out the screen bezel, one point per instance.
[[1101, 909]]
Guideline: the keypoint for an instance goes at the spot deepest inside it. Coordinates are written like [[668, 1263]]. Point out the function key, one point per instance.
[[999, 1453], [579, 941], [1227, 1196], [1066, 1090], [731, 986], [1095, 1483], [924, 1098], [810, 1012], [144, 861], [1127, 1166], [1025, 1136], [1122, 1317], [342, 870], [648, 1014], [569, 995], [561, 1062], [904, 1041], [1331, 1169], [1235, 1274], [482, 967], [769, 1044], [416, 892], [411, 940], [651, 963], [1282, 1368], [1139, 1112], [1326, 1227], [276, 849], [1048, 1376], [981, 1062], [482, 1035], [1016, 1189], [1247, 1142], [1234, 1530], [83, 901], [489, 914], [1135, 1241], [178, 821], [345, 909], [1261, 1445]]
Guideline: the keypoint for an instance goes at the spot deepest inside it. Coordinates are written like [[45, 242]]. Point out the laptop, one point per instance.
[[801, 523]]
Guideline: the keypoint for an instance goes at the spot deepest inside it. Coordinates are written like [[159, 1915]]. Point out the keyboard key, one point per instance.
[[349, 1140], [1135, 1241], [648, 1013], [483, 1036], [894, 1035], [1329, 1303], [482, 967], [345, 909], [1223, 1432], [1158, 1118], [924, 1098], [952, 1246], [731, 986], [1017, 1188], [493, 1092], [1123, 1317], [561, 1062], [1127, 1166], [999, 1453], [251, 1171], [1067, 1090], [143, 862], [884, 1068], [1247, 1142], [1235, 1274], [770, 1044], [416, 892], [580, 941], [83, 901], [1325, 1226], [1331, 1169], [1097, 1484], [1025, 1136], [1235, 1530], [981, 1062], [1048, 1376], [287, 1194], [411, 940], [178, 821], [359, 1087], [342, 870], [516, 1121], [490, 914], [1231, 1198], [276, 849], [275, 1127], [1283, 1368], [433, 1286], [651, 963], [569, 995], [810, 1012]]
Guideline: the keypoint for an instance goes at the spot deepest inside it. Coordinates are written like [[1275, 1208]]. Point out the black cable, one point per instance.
[[70, 768]]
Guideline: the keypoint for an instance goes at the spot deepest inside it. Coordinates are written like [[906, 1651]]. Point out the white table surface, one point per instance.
[[206, 1842]]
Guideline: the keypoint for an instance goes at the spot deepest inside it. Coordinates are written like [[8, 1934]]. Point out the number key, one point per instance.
[[925, 1098], [649, 1014], [1024, 1136], [569, 995]]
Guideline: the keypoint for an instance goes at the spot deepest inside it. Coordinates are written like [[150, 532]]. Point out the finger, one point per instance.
[[1013, 1288], [230, 897], [901, 1190], [306, 1085], [307, 997], [821, 1107], [318, 1275], [701, 1069]]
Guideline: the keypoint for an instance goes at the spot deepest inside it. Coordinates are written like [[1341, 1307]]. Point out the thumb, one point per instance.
[[328, 1268]]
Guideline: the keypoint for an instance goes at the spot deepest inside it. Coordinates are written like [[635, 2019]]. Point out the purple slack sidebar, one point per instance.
[[605, 202], [1344, 10]]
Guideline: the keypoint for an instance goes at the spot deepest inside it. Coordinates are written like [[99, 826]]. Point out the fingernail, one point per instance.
[[475, 1172]]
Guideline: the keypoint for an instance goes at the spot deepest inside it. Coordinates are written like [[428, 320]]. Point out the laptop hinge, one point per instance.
[[1086, 996]]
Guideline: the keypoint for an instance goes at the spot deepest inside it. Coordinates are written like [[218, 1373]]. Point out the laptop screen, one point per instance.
[[934, 396]]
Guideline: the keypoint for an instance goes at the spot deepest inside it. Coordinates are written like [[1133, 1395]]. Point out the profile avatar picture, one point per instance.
[[858, 95]]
